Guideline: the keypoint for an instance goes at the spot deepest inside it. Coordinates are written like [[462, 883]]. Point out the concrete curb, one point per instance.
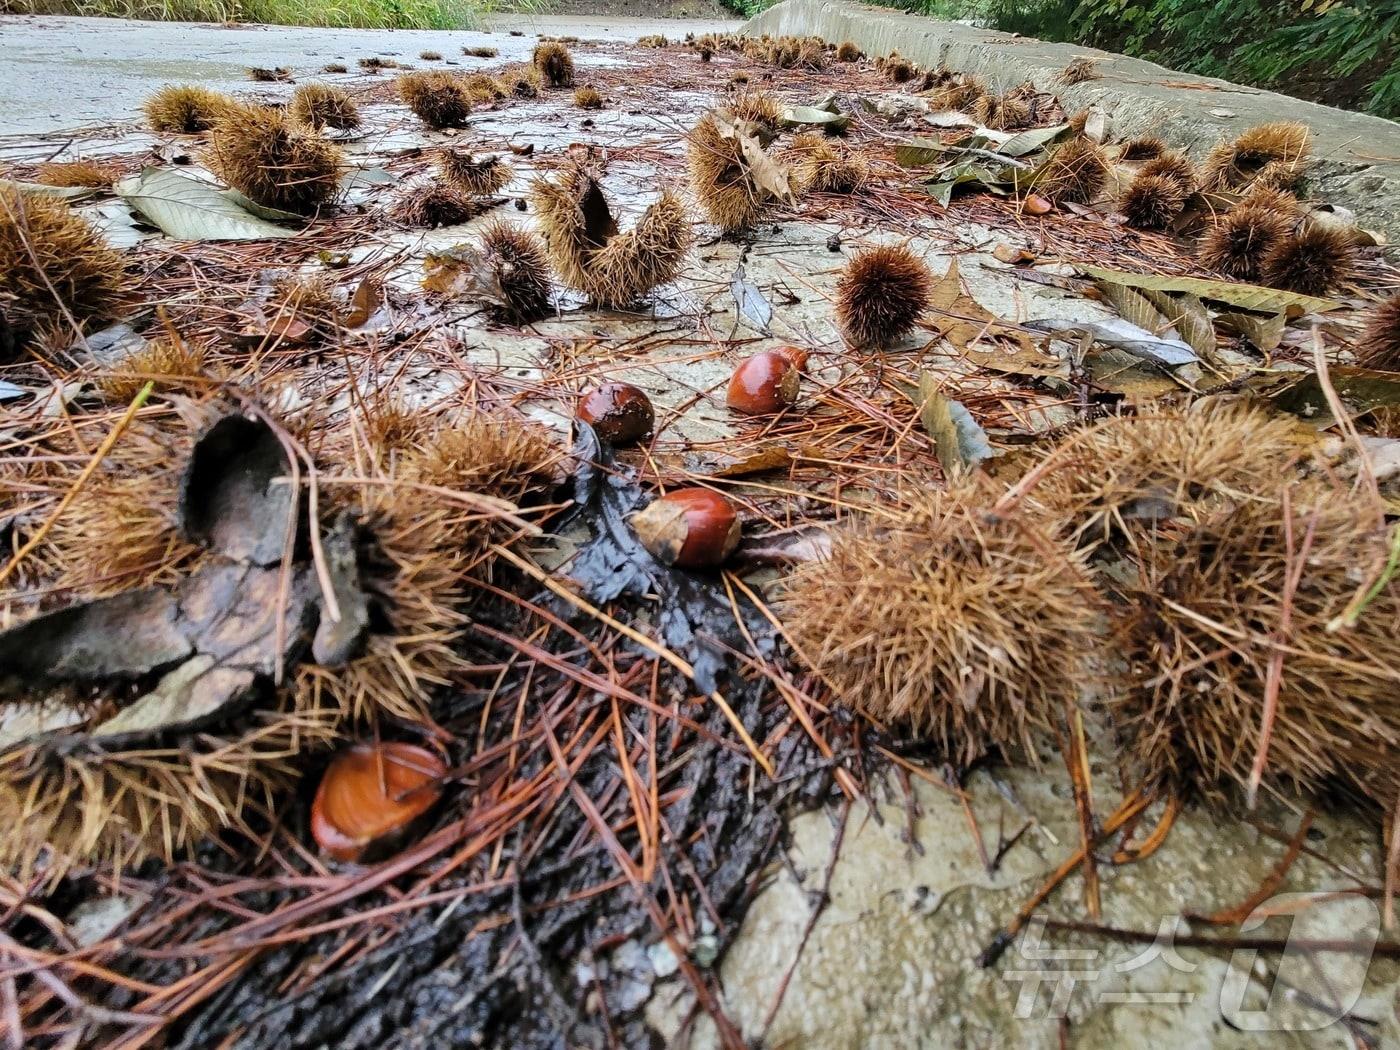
[[1356, 156]]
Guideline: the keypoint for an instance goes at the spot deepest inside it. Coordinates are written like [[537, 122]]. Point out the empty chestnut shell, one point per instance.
[[689, 528], [620, 413], [371, 797], [763, 385]]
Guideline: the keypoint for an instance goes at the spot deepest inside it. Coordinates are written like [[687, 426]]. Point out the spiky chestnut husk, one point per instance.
[[1162, 467], [438, 99], [1313, 261], [760, 109], [555, 64], [880, 295], [480, 52], [588, 97], [1232, 164], [971, 630], [848, 51], [51, 260], [1152, 202], [426, 555], [1002, 113], [335, 67], [899, 71], [185, 109], [522, 81], [959, 94], [1077, 72], [479, 178], [434, 205], [588, 252], [1237, 244], [1145, 147], [1246, 595], [1379, 345], [519, 264], [264, 156], [310, 298], [123, 807], [319, 106], [1075, 173], [719, 175], [1174, 165], [1280, 201], [87, 173], [635, 261], [483, 87], [430, 56], [820, 167], [167, 361]]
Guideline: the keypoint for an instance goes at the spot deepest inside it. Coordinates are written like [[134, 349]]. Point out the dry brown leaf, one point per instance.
[[965, 320], [363, 303]]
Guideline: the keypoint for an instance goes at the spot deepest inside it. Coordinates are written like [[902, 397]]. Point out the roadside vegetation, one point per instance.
[[360, 14], [1343, 54]]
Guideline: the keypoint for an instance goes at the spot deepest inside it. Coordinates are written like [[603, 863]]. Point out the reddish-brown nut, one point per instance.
[[796, 354], [620, 413], [764, 384], [689, 528], [371, 797]]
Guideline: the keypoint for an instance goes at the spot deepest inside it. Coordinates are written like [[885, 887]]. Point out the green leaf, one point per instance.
[[960, 442], [800, 116], [68, 193], [919, 153], [262, 211], [942, 186], [1030, 141], [1245, 296], [191, 210]]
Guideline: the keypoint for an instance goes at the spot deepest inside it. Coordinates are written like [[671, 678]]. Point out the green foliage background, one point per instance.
[[363, 14], [1341, 52]]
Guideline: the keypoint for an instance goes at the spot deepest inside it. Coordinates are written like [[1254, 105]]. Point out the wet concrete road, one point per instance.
[[62, 73]]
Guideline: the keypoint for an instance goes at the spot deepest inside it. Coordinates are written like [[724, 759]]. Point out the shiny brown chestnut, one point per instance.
[[620, 413], [796, 354], [689, 528], [371, 797], [763, 385]]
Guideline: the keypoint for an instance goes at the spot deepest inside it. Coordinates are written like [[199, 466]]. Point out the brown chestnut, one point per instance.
[[689, 528], [796, 354], [763, 385], [371, 797], [620, 413]]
